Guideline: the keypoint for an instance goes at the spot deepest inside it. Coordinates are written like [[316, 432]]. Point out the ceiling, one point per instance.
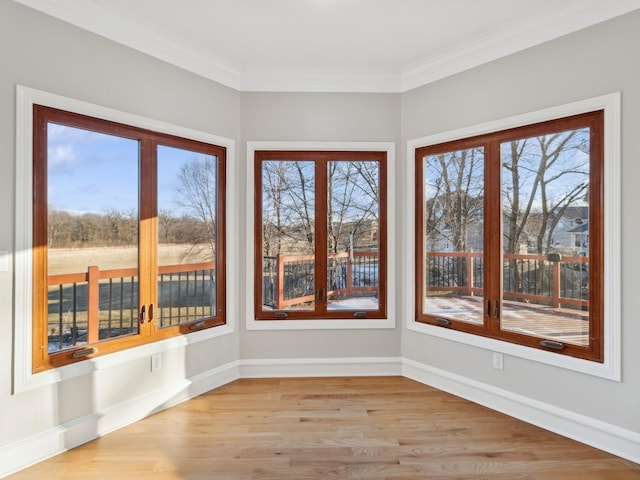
[[331, 45]]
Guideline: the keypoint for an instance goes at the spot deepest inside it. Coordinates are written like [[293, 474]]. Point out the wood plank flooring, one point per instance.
[[384, 428]]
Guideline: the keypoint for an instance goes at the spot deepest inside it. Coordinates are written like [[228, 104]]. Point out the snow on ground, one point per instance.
[[538, 320], [355, 303], [465, 309]]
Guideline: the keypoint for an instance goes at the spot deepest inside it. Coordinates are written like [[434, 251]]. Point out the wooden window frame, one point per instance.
[[595, 120], [321, 158], [148, 139]]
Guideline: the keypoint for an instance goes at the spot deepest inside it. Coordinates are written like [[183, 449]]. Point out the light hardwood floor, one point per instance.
[[335, 428]]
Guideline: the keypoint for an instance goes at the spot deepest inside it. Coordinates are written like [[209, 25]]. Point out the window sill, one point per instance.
[[67, 372], [383, 323], [609, 369]]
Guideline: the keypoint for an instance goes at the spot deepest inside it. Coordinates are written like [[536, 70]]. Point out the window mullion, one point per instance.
[[320, 240], [147, 241], [492, 238]]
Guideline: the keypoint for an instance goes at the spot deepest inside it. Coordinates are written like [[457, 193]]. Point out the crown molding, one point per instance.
[[553, 23], [305, 81], [134, 33], [562, 19]]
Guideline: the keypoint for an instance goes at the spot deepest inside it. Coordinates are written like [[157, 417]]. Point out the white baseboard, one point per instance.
[[54, 441], [131, 411], [321, 367], [601, 435]]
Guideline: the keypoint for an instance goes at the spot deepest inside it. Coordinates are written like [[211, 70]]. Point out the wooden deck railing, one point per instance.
[[536, 278], [526, 277], [81, 293], [288, 279]]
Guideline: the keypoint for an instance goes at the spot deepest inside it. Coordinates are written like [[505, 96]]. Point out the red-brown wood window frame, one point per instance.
[[321, 160], [148, 228], [492, 276]]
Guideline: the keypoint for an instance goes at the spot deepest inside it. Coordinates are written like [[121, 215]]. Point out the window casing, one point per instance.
[[320, 235], [532, 287], [128, 237]]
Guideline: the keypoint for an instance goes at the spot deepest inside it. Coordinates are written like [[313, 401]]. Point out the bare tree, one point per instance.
[[353, 207], [272, 180], [59, 228], [197, 189], [544, 176], [288, 205], [302, 197], [197, 186], [289, 208], [454, 197]]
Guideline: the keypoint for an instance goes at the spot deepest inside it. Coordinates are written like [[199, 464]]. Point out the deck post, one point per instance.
[[469, 273], [555, 299], [93, 304], [280, 282], [349, 277]]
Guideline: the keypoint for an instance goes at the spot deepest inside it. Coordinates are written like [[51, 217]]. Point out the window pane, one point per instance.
[[187, 228], [288, 225], [92, 221], [453, 236], [545, 202], [353, 235]]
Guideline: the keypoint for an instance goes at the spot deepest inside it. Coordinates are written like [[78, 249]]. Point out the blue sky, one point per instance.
[[94, 172]]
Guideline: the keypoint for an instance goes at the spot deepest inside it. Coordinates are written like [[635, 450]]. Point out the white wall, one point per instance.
[[593, 62], [40, 52], [319, 117]]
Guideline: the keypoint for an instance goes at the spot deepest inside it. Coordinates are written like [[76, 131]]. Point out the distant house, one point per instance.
[[570, 236], [572, 232], [440, 234]]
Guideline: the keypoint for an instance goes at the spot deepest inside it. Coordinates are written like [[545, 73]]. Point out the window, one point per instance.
[[128, 236], [510, 235], [320, 235]]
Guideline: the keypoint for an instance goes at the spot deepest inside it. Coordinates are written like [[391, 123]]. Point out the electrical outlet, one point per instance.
[[156, 362], [498, 361]]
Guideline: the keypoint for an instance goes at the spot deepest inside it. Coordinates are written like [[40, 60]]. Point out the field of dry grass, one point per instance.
[[74, 260], [118, 302]]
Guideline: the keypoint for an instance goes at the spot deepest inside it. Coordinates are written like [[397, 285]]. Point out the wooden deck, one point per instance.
[[384, 428], [561, 324]]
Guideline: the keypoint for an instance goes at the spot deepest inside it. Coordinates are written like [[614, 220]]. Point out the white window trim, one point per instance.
[[611, 367], [320, 324], [24, 379]]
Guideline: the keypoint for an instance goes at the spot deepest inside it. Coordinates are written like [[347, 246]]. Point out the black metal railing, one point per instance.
[[101, 304]]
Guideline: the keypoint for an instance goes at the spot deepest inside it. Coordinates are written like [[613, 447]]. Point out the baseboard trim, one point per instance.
[[136, 409], [601, 435], [321, 367], [31, 450]]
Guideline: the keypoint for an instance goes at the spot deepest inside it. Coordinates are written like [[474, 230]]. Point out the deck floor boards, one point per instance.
[[561, 324]]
